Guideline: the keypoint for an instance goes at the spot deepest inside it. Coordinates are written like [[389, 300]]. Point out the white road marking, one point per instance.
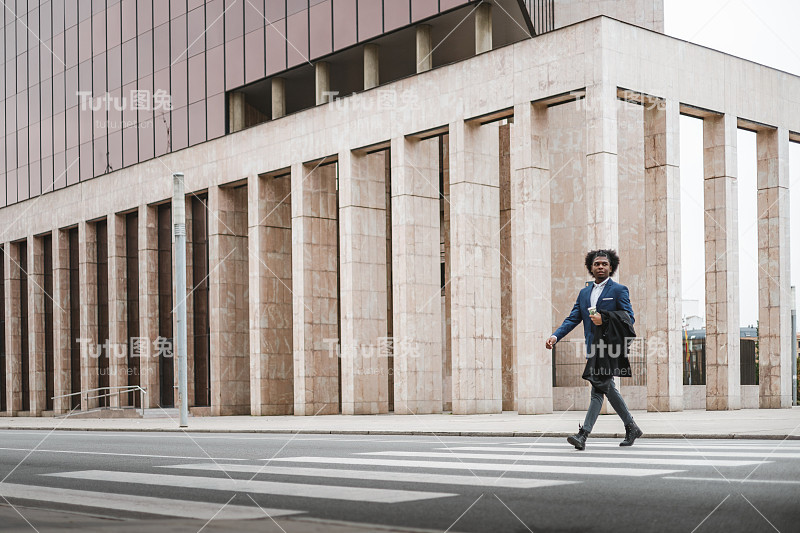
[[357, 494], [573, 458], [138, 504], [625, 452], [373, 475], [690, 445], [731, 480], [117, 454], [496, 467]]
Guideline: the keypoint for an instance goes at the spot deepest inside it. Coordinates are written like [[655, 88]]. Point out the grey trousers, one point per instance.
[[597, 403]]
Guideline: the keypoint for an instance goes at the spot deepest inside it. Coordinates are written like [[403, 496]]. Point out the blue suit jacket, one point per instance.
[[613, 298]]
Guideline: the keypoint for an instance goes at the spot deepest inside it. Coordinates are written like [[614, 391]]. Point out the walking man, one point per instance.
[[596, 300]]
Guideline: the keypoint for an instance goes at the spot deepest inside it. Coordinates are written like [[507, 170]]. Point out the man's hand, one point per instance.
[[551, 342], [597, 318]]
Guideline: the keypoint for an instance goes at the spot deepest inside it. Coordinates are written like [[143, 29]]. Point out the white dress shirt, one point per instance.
[[596, 291]]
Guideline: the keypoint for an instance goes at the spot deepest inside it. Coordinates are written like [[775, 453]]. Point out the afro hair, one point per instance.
[[612, 256]]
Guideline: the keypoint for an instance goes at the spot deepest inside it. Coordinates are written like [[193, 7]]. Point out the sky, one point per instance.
[[762, 31]]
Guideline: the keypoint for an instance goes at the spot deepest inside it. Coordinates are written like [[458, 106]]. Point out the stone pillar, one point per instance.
[[362, 211], [530, 227], [601, 166], [314, 283], [322, 77], [278, 98], [663, 230], [775, 343], [117, 307], [270, 245], [424, 48], [723, 379], [228, 296], [416, 277], [36, 349], [508, 354], [148, 305], [13, 329], [483, 28], [236, 111], [371, 66], [87, 238], [475, 267], [61, 322]]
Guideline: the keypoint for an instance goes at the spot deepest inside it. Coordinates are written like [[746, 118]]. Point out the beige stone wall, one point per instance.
[[645, 13]]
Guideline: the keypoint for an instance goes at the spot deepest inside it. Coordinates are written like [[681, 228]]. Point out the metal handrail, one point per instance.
[[119, 392]]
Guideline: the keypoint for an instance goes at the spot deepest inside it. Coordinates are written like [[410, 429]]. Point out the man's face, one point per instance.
[[601, 268]]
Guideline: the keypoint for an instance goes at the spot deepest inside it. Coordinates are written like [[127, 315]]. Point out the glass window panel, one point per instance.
[[47, 137], [129, 116], [99, 34], [370, 19], [32, 32], [146, 139], [33, 66], [85, 124], [35, 178], [180, 95], [176, 8], [161, 47], [99, 127], [59, 170], [178, 38], [160, 12], [59, 93], [254, 15], [449, 4], [128, 19], [73, 165], [71, 44], [58, 17], [46, 61], [180, 128], [215, 32], [421, 9], [115, 150], [84, 9], [254, 55], [22, 32], [22, 109], [145, 55], [11, 50], [3, 199], [296, 6], [197, 30], [2, 154], [59, 132], [321, 29], [195, 4], [34, 107], [71, 79], [297, 35], [129, 62], [115, 67], [216, 116], [11, 186], [99, 76], [11, 115], [22, 71], [276, 47], [2, 131], [47, 174], [22, 147], [197, 78], [215, 75], [115, 111], [22, 184], [85, 41], [130, 146], [72, 127], [47, 98], [344, 23], [197, 123], [58, 53], [11, 79], [87, 162], [234, 19], [113, 19], [144, 16], [11, 151], [35, 141], [275, 10], [234, 63], [85, 76], [396, 14], [46, 22], [162, 126]]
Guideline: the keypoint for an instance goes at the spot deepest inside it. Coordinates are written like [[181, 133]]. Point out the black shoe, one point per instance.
[[632, 432], [579, 440]]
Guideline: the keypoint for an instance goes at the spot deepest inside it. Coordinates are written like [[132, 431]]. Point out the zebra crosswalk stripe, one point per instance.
[[626, 452]]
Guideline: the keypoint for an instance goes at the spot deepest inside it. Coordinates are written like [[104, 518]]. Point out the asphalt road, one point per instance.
[[93, 481]]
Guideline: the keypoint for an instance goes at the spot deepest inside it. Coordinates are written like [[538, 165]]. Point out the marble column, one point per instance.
[[424, 48], [663, 229], [416, 277], [13, 327], [371, 66], [322, 82], [270, 245], [530, 227], [507, 273], [602, 177], [723, 379], [90, 351], [117, 308], [62, 363], [278, 98], [314, 284], [36, 348], [236, 111], [228, 296], [475, 267], [775, 343], [483, 28], [148, 306], [362, 212]]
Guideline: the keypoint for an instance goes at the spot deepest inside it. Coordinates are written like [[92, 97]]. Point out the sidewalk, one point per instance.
[[773, 424]]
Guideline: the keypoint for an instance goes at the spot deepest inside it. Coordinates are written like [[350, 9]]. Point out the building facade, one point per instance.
[[388, 202]]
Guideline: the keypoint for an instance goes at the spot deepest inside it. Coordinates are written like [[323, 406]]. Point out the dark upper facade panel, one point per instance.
[[91, 86]]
